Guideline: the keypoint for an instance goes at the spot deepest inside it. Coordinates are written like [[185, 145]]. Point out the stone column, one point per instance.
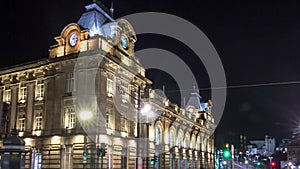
[[29, 114], [1, 94], [202, 160], [13, 106]]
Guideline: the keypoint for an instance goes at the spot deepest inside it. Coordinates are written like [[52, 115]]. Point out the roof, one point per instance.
[[195, 101], [94, 18]]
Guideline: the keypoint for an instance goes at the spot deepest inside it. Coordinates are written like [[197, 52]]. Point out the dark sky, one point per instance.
[[258, 42]]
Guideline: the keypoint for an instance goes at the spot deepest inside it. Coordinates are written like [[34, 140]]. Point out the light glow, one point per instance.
[[146, 108], [85, 115], [27, 142], [55, 140]]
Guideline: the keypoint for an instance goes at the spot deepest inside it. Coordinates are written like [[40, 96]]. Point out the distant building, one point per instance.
[[243, 142], [283, 145], [264, 147], [293, 156]]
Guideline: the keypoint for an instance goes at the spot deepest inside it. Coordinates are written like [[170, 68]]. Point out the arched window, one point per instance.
[[203, 145], [198, 144], [171, 139], [179, 140], [186, 142], [192, 143], [157, 135]]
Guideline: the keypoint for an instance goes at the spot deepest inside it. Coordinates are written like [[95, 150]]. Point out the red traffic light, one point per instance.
[[273, 164]]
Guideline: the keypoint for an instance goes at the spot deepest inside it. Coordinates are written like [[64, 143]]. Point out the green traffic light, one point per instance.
[[100, 152], [226, 153], [152, 162]]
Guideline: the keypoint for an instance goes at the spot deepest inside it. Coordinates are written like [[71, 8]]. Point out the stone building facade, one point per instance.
[[89, 94]]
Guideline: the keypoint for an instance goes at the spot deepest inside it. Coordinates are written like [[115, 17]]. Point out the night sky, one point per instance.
[[258, 43]]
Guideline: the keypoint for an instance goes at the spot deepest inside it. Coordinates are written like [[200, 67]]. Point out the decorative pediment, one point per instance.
[[126, 37], [71, 40]]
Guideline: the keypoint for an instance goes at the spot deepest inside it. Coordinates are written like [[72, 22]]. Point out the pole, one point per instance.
[[103, 148], [102, 162], [84, 164], [147, 146], [138, 128]]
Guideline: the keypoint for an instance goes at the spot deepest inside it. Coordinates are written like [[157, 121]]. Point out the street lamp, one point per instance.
[[146, 111], [85, 116]]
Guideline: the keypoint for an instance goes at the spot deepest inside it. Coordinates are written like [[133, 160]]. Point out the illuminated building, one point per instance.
[[42, 96]]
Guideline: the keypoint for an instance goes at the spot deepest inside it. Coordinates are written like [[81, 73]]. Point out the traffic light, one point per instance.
[[226, 153], [103, 151], [273, 164], [100, 152], [84, 154], [152, 162]]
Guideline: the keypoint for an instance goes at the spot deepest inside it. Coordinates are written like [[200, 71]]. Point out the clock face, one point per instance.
[[124, 42], [73, 39]]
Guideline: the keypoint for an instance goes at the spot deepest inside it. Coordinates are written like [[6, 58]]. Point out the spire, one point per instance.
[[195, 100], [195, 89], [112, 8]]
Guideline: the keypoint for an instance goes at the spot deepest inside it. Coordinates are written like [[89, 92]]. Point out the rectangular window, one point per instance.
[[136, 99], [109, 86], [7, 96], [70, 117], [23, 93], [22, 122], [38, 120], [123, 123], [39, 90], [124, 92], [108, 118], [70, 83]]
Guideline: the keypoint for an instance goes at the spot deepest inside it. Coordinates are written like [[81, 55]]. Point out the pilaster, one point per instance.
[[13, 106], [29, 113]]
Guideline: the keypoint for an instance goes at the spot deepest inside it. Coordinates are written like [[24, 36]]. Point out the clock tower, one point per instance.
[[96, 29]]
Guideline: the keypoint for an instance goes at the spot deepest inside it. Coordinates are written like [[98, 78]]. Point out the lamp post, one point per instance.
[[146, 111], [138, 129], [85, 116], [147, 146]]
